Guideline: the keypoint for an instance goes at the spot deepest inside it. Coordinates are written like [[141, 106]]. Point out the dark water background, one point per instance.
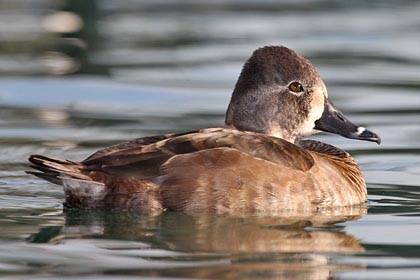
[[106, 71]]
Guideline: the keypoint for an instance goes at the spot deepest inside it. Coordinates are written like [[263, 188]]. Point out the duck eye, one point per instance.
[[296, 87]]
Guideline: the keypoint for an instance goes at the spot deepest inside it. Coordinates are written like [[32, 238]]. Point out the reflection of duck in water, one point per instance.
[[209, 233], [246, 245], [255, 164]]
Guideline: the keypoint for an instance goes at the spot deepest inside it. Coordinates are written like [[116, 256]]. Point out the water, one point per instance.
[[140, 68]]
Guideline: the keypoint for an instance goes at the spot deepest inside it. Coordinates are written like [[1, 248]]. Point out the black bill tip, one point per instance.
[[364, 134]]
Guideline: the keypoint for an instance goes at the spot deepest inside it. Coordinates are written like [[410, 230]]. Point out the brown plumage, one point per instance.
[[257, 164]]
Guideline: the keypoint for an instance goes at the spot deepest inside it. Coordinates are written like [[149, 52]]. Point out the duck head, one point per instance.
[[279, 93]]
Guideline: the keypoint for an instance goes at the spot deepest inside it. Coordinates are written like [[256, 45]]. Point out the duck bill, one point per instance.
[[333, 121]]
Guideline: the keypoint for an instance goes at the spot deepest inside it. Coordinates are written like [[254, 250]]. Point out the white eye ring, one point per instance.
[[296, 88]]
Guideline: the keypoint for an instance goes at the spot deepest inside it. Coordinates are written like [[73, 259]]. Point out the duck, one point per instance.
[[258, 162]]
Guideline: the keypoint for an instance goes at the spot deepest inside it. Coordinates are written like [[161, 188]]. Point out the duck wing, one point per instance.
[[142, 158], [136, 143]]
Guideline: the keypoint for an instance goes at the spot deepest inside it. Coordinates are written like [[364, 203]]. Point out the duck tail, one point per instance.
[[81, 191], [55, 170]]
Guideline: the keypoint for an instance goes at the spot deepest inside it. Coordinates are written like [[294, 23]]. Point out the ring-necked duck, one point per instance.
[[256, 163]]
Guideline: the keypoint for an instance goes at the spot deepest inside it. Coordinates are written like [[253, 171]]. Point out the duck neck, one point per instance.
[[277, 132], [273, 131], [251, 111]]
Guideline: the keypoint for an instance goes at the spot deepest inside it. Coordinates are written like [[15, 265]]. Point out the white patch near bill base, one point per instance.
[[360, 130], [317, 109]]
